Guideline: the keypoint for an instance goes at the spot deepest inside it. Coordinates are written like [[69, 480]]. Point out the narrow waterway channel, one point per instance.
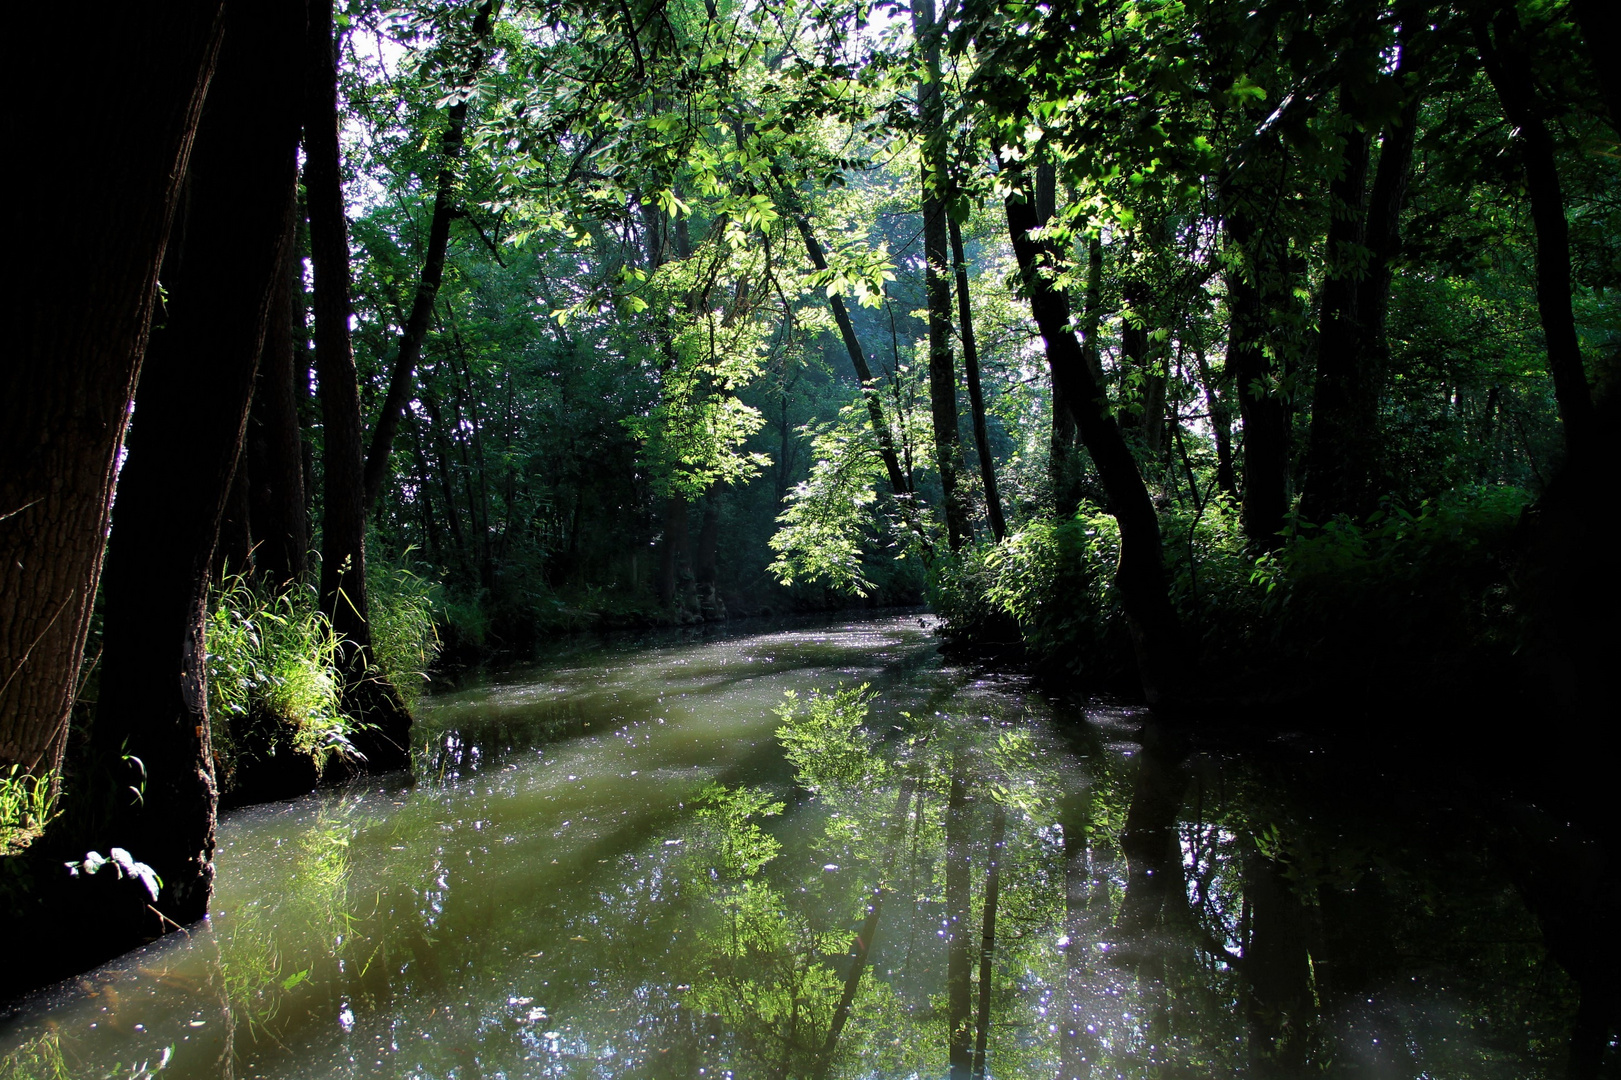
[[649, 860]]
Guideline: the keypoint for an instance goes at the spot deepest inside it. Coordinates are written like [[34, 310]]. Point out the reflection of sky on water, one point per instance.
[[557, 896]]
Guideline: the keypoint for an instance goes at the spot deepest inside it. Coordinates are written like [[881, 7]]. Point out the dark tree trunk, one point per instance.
[[1254, 290], [948, 456], [1508, 64], [1221, 426], [1064, 465], [152, 731], [383, 735], [433, 269], [275, 450], [899, 482], [1144, 591], [673, 551], [233, 554], [1142, 409], [862, 947], [1342, 455], [959, 970], [66, 387], [976, 396], [987, 947], [710, 605], [1336, 472]]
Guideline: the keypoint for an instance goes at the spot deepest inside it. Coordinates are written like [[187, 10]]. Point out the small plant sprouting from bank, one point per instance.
[[273, 677], [404, 627], [27, 804]]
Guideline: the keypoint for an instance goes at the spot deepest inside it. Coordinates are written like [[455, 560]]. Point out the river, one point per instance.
[[719, 856]]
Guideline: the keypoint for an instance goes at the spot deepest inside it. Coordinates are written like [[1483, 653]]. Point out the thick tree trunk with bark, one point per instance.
[[401, 377], [67, 385], [1507, 59], [976, 395], [1065, 466], [384, 734], [152, 730], [1144, 591], [275, 447], [948, 457]]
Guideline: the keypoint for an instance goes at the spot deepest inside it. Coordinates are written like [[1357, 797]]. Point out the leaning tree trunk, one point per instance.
[[899, 482], [1144, 589], [942, 366], [1508, 64], [433, 268], [150, 783], [384, 730], [976, 396], [66, 387]]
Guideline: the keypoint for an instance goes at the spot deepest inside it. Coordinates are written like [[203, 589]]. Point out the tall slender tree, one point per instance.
[[384, 735], [936, 253], [445, 207]]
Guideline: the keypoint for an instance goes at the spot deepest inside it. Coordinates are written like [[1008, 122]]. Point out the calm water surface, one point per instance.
[[649, 861]]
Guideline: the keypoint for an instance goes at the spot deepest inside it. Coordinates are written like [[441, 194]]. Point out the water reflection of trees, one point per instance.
[[931, 893]]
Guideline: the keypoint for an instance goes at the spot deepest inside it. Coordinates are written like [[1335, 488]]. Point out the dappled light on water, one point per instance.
[[819, 852]]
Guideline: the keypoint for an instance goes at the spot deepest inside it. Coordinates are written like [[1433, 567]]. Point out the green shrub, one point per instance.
[[1049, 589], [404, 630], [27, 804], [272, 675]]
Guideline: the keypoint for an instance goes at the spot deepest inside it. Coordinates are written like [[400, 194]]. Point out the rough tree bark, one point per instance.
[[1506, 56], [942, 366], [433, 268], [152, 733], [275, 450], [66, 387], [1144, 590], [385, 726]]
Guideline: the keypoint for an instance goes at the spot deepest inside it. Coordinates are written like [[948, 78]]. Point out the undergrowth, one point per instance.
[[27, 804], [1390, 592], [273, 677]]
